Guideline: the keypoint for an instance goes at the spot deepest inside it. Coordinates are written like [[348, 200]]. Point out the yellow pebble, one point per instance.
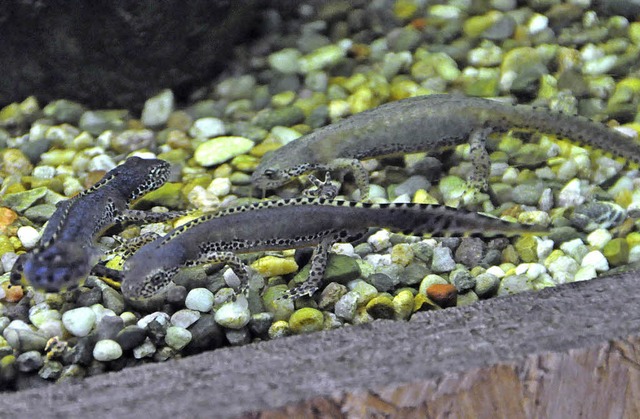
[[423, 197], [269, 266]]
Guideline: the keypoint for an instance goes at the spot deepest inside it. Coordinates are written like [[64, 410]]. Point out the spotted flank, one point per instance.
[[293, 223]]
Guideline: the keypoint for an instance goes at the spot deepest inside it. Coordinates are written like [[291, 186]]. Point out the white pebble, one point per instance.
[[207, 128], [599, 238], [107, 350], [597, 260], [200, 299], [28, 237], [220, 186], [159, 316], [343, 249], [79, 321], [185, 318], [146, 349], [585, 273], [379, 240], [234, 314], [496, 271]]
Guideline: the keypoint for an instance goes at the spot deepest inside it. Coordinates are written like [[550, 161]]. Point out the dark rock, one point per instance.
[[130, 337], [118, 53]]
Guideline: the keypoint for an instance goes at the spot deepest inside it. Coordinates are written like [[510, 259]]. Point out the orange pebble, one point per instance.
[[7, 217], [13, 293], [445, 295]]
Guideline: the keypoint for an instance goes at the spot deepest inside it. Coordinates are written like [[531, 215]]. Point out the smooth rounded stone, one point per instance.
[[412, 185], [470, 251], [208, 127], [599, 238], [89, 297], [285, 61], [234, 314], [185, 318], [95, 122], [330, 295], [597, 260], [444, 295], [306, 320], [571, 195], [220, 186], [462, 280], [585, 273], [113, 300], [40, 213], [144, 350], [260, 323], [177, 295], [514, 284], [486, 285], [617, 251], [596, 214], [158, 316], [41, 313], [364, 290], [323, 57], [200, 299], [442, 260], [562, 269], [28, 236], [221, 149], [51, 328], [107, 350], [287, 116], [381, 307], [466, 299], [527, 194], [177, 337], [269, 266], [51, 370], [130, 337], [109, 326], [79, 321], [383, 282], [29, 361], [20, 201], [238, 337], [279, 329], [157, 109], [132, 140], [205, 334], [380, 240], [347, 305]]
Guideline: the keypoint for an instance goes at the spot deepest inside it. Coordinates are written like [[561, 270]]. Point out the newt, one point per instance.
[[427, 124], [292, 223], [67, 250]]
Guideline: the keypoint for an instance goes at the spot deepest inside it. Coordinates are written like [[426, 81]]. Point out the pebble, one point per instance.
[[207, 128], [221, 149], [596, 260], [109, 326], [234, 314], [403, 304], [158, 316], [381, 307], [205, 334], [79, 321], [279, 329], [157, 109], [269, 266], [185, 317], [514, 284], [238, 337], [107, 350], [380, 240], [330, 295], [306, 320], [146, 349], [445, 295], [486, 285], [29, 361], [200, 299], [442, 260], [599, 238], [585, 273], [130, 337], [462, 280], [562, 269], [346, 306], [28, 236], [177, 337]]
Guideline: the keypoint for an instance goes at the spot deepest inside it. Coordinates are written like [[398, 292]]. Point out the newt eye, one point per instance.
[[270, 173]]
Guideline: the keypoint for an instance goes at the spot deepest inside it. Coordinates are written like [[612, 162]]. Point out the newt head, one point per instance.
[[271, 176], [138, 176], [57, 267], [150, 271]]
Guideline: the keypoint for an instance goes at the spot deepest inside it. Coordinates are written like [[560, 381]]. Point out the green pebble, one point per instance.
[[323, 57], [403, 304], [381, 307], [483, 83], [466, 299], [527, 248], [245, 163], [476, 25], [14, 162], [286, 61], [20, 201], [177, 337], [279, 329], [96, 122], [364, 290], [5, 245], [617, 251], [221, 149], [280, 308], [287, 116], [168, 195], [306, 320], [64, 111], [11, 115], [486, 285], [340, 268]]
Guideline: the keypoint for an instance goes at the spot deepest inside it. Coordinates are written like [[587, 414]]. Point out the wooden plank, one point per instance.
[[571, 351]]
